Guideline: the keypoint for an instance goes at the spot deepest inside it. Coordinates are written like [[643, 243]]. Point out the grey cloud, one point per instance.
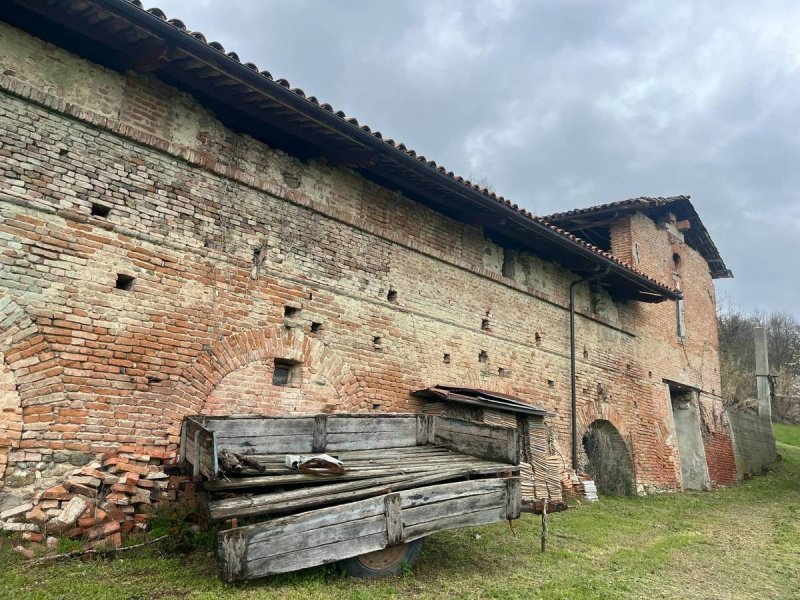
[[566, 104]]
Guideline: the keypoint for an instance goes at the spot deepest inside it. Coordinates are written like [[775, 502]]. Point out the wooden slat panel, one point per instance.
[[340, 442], [258, 426], [439, 510], [485, 441], [482, 517], [315, 556], [347, 424], [448, 491], [279, 444], [334, 533], [311, 538], [394, 519]]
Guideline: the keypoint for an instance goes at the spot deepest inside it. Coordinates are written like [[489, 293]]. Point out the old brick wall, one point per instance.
[[693, 359], [240, 255]]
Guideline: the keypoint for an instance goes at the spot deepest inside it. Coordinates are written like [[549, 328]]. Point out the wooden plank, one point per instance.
[[261, 426], [447, 508], [356, 454], [485, 441], [305, 540], [182, 448], [215, 454], [315, 556], [482, 517], [196, 457], [345, 424], [438, 493], [319, 442], [289, 501], [232, 549], [315, 479], [276, 502], [377, 440], [274, 444], [424, 429], [271, 531], [394, 521], [513, 497]]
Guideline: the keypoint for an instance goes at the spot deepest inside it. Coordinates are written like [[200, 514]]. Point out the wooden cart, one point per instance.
[[406, 477]]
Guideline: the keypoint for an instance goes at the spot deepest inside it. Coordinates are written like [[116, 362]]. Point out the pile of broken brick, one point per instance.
[[100, 504]]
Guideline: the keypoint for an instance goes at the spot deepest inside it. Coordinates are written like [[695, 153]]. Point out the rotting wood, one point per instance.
[[297, 542], [274, 503], [513, 497], [232, 549], [313, 479], [196, 461], [467, 504], [481, 517], [394, 521], [319, 443], [319, 555], [407, 476]]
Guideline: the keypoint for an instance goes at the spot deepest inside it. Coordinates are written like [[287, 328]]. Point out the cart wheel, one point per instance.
[[382, 563]]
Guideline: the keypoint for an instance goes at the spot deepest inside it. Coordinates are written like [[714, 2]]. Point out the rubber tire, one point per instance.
[[356, 568]]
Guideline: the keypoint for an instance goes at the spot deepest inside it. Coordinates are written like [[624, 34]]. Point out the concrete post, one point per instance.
[[762, 373]]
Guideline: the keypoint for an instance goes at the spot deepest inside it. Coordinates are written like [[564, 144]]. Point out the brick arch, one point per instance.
[[32, 370], [589, 412], [233, 352]]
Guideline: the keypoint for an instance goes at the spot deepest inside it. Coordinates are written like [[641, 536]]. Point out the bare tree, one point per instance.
[[737, 358]]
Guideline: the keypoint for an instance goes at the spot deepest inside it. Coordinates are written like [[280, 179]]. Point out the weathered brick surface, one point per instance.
[[221, 234]]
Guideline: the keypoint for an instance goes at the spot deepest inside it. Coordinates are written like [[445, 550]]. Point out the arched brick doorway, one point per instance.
[[268, 371], [606, 459]]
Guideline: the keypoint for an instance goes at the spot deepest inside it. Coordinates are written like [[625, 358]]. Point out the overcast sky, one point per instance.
[[561, 104]]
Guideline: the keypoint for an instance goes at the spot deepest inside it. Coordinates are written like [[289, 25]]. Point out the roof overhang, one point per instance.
[[122, 36], [585, 219], [480, 398]]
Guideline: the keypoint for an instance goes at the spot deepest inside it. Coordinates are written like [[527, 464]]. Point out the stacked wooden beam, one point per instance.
[[101, 503], [537, 445], [269, 487], [496, 417], [553, 477]]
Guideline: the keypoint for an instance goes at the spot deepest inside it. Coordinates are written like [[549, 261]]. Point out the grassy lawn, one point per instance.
[[742, 542]]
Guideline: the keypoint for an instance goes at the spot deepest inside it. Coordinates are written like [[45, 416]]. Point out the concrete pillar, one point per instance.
[[762, 373]]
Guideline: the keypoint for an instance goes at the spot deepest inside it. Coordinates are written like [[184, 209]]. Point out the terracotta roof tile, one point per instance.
[[178, 24]]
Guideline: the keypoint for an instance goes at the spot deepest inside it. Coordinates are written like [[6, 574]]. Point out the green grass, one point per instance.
[[742, 542], [787, 434]]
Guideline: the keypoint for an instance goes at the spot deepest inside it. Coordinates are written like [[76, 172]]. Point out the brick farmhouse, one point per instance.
[[181, 233]]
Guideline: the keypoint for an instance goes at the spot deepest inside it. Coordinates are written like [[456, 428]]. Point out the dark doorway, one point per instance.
[[607, 459], [686, 416]]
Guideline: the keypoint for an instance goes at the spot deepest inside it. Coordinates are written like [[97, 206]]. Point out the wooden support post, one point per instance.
[[544, 526], [394, 521], [196, 458], [182, 449], [214, 455], [231, 550], [513, 497], [425, 429], [320, 442]]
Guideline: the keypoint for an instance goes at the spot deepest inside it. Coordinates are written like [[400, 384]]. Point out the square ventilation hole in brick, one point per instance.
[[486, 325], [392, 295], [316, 327], [377, 343], [284, 372], [446, 359], [483, 356], [124, 282], [290, 312], [100, 210]]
